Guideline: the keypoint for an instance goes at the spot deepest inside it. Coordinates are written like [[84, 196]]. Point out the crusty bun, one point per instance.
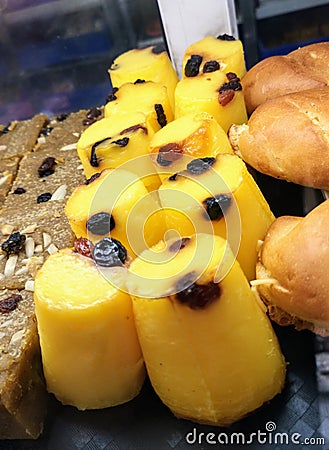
[[292, 270], [304, 68], [288, 138]]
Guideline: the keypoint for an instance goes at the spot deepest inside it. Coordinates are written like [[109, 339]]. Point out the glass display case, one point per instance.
[[55, 53]]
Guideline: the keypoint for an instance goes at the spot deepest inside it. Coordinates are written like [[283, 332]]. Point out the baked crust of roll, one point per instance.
[[292, 270], [304, 68]]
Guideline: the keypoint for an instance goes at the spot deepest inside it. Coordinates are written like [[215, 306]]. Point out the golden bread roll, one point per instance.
[[288, 138], [304, 68], [292, 270]]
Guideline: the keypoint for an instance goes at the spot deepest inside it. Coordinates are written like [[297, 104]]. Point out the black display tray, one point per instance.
[[146, 424]]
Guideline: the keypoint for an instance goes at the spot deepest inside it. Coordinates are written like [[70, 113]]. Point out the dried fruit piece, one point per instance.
[[192, 66], [45, 197], [179, 244], [169, 153], [109, 252], [19, 191], [194, 295], [161, 117], [14, 243], [217, 206], [84, 246], [200, 165], [211, 66], [47, 167], [100, 223], [10, 303]]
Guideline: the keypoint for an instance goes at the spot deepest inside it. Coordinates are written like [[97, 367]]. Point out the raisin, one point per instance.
[[14, 243], [197, 296], [161, 117], [111, 96], [88, 122], [121, 142], [139, 81], [46, 131], [45, 197], [93, 113], [192, 66], [100, 223], [134, 128], [169, 153], [84, 246], [200, 165], [179, 244], [233, 83], [109, 252], [173, 177], [93, 178], [47, 167], [93, 157], [5, 129], [210, 66], [10, 303], [225, 97], [62, 117], [226, 37], [217, 206], [19, 191], [158, 49]]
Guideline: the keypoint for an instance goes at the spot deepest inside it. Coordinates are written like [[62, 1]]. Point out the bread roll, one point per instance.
[[288, 138], [292, 270], [304, 68]]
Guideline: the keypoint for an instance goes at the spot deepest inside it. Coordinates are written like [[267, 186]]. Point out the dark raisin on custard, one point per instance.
[[10, 303], [200, 165], [226, 37], [100, 223], [169, 153], [19, 191], [192, 66], [109, 252], [47, 167], [84, 247], [210, 66], [161, 117], [217, 206], [226, 91], [197, 296], [179, 244], [134, 128], [157, 49], [123, 142], [14, 243], [111, 95], [173, 177], [93, 178], [44, 197], [232, 84], [139, 81], [93, 156]]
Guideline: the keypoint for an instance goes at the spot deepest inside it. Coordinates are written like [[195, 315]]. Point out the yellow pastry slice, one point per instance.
[[90, 351], [210, 351], [150, 63], [218, 195]]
